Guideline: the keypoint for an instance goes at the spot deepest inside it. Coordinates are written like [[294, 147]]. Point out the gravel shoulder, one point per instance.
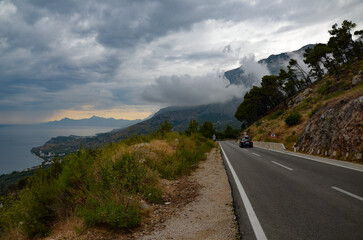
[[210, 215]]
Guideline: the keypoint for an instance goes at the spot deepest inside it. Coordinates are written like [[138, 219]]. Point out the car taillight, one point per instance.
[[251, 141], [243, 141]]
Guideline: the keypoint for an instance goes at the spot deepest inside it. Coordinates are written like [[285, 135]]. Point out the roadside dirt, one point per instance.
[[210, 215], [198, 206]]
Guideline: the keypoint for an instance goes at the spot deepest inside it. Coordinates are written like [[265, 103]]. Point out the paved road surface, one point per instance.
[[292, 197]]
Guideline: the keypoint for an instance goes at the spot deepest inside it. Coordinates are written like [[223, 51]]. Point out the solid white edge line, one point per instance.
[[316, 160], [259, 233], [282, 165], [256, 154], [348, 193]]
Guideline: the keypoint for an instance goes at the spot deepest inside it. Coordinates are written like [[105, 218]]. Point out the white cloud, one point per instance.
[[68, 53], [185, 90], [6, 10]]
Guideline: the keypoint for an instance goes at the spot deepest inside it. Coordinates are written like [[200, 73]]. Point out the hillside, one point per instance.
[[331, 117], [116, 187], [221, 114]]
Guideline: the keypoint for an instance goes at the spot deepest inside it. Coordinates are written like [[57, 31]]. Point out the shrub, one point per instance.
[[325, 87], [293, 119], [103, 210], [291, 138], [275, 114]]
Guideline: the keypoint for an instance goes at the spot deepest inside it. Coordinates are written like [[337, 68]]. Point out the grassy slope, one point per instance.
[[329, 89], [103, 187]]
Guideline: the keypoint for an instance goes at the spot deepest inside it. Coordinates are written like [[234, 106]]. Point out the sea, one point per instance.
[[16, 141]]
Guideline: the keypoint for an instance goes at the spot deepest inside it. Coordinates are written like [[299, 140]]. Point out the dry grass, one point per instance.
[[71, 228], [160, 146], [13, 234]]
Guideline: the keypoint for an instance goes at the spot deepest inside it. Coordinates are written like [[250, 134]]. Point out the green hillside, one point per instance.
[[319, 112], [105, 187]]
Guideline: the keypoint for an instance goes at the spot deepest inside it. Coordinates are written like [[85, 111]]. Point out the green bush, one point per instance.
[[275, 115], [293, 119], [103, 210], [291, 138]]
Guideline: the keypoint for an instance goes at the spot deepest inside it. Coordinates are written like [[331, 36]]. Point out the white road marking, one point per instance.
[[282, 165], [326, 161], [257, 229], [256, 154], [348, 193], [245, 150]]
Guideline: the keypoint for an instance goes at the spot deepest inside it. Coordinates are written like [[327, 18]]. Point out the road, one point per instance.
[[287, 197]]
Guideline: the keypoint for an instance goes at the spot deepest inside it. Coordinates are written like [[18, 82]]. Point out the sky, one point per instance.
[[127, 59]]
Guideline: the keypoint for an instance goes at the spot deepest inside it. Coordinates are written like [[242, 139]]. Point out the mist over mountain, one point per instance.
[[280, 61], [251, 72]]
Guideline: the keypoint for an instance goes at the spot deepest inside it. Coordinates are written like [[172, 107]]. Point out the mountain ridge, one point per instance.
[[93, 121], [220, 114]]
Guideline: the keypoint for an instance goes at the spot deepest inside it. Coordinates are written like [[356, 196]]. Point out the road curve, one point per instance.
[[292, 197]]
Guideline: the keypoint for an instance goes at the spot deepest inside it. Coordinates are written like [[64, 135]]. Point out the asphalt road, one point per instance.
[[292, 197]]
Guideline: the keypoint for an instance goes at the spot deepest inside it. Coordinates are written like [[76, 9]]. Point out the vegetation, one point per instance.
[[293, 119], [192, 128], [333, 57], [103, 186], [207, 129]]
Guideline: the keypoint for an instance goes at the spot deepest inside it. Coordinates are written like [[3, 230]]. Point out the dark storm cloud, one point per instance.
[[66, 54]]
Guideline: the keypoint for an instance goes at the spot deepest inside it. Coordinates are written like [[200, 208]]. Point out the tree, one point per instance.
[[344, 48], [358, 44], [341, 41], [230, 132], [192, 128], [313, 59], [207, 129], [295, 67], [286, 85], [164, 128]]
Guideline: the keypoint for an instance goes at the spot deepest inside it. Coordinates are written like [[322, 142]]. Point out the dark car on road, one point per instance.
[[246, 141]]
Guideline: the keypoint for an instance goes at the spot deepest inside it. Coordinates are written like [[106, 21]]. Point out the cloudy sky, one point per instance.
[[126, 59]]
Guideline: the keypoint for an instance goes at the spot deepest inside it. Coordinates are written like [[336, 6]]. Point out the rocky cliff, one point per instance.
[[335, 130]]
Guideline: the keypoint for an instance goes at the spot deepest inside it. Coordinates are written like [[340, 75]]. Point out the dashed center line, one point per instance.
[[282, 165], [256, 154], [347, 193]]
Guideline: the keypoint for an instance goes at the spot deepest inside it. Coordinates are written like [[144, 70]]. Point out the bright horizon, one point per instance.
[[128, 59]]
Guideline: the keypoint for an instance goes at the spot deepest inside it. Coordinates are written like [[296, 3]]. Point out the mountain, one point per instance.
[[94, 121], [221, 114], [273, 63], [276, 62]]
